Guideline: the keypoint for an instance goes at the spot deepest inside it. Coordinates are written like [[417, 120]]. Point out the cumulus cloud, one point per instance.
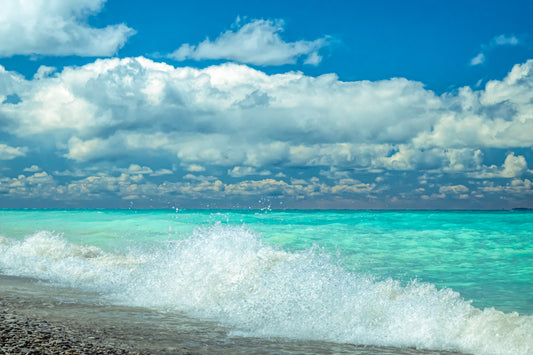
[[195, 168], [514, 187], [454, 189], [34, 168], [257, 42], [512, 167], [37, 185], [235, 124], [240, 171], [108, 108], [8, 153], [500, 116], [462, 160], [57, 28], [90, 149], [135, 169], [128, 186]]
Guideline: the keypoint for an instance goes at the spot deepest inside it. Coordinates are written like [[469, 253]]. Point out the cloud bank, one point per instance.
[[257, 42], [134, 129], [57, 28]]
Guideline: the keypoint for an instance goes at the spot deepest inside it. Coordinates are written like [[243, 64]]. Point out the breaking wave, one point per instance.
[[228, 274]]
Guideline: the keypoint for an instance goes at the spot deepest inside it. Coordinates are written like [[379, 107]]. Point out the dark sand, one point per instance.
[[40, 319]]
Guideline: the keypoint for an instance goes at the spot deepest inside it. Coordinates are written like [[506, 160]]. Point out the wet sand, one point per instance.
[[40, 319]]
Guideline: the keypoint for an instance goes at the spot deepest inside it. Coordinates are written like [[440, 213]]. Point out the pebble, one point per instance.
[[22, 335]]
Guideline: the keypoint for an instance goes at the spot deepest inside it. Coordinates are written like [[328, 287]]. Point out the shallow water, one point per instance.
[[401, 279]]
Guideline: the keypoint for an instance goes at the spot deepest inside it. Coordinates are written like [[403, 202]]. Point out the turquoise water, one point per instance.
[[429, 278]]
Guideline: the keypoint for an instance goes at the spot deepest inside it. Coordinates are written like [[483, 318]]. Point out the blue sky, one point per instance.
[[304, 104]]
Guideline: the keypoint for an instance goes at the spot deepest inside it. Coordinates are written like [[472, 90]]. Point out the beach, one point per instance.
[[34, 335], [38, 319], [34, 320], [30, 325]]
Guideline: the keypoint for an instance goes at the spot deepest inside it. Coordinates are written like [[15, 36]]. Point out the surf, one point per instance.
[[230, 275]]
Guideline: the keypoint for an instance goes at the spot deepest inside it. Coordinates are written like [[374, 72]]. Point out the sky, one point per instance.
[[266, 104]]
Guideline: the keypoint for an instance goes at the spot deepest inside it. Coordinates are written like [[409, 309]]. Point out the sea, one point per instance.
[[407, 281]]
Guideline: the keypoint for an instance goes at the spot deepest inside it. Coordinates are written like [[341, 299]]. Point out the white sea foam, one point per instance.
[[50, 257], [229, 275]]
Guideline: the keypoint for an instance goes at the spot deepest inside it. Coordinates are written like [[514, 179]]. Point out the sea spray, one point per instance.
[[48, 256], [230, 275]]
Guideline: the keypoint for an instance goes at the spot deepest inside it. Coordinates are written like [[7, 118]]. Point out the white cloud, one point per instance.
[[161, 172], [32, 169], [463, 160], [117, 93], [87, 150], [137, 169], [39, 185], [195, 168], [334, 174], [514, 187], [240, 171], [352, 186], [257, 42], [44, 72], [10, 83], [500, 116], [512, 167], [505, 40], [57, 27], [8, 153], [232, 120], [496, 41], [454, 189], [39, 178], [129, 186], [518, 186], [513, 90], [106, 109], [478, 59]]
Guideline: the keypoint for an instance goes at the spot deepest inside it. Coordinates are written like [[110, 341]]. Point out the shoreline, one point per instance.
[[36, 318], [24, 335], [40, 319]]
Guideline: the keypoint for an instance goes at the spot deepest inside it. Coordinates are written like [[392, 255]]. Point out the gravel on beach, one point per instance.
[[22, 335], [40, 319]]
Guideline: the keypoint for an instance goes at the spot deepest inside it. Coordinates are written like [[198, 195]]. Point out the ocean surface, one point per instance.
[[434, 280]]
